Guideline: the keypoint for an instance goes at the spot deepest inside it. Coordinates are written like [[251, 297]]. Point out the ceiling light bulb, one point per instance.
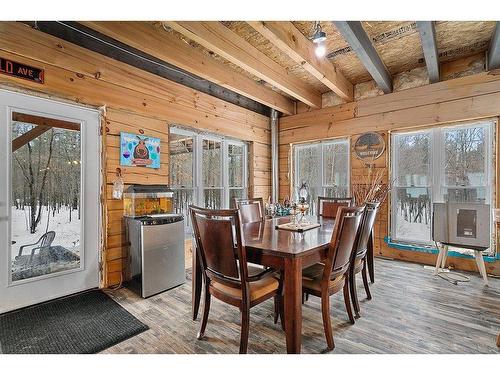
[[320, 50]]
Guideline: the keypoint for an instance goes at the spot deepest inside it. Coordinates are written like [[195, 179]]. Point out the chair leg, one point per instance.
[[327, 324], [206, 310], [347, 301], [307, 296], [354, 295], [245, 323], [365, 282]]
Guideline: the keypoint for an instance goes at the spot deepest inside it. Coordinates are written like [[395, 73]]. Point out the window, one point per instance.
[[444, 163], [206, 170], [324, 167]]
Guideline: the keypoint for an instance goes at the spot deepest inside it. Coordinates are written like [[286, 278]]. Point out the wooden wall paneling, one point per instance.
[[466, 98], [427, 115], [82, 65], [135, 101], [157, 42]]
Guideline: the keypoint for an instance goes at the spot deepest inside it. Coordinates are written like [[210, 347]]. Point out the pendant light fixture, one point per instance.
[[318, 38]]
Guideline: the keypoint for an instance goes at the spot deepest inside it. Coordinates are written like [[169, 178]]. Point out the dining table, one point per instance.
[[285, 250]]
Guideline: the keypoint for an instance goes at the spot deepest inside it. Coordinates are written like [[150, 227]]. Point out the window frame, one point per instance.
[[438, 185], [296, 147], [198, 186]]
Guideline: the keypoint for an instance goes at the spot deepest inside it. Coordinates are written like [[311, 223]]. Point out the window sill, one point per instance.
[[433, 250]]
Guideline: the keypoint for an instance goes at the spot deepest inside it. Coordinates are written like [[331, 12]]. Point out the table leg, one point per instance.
[[480, 265], [369, 258], [196, 283], [293, 304]]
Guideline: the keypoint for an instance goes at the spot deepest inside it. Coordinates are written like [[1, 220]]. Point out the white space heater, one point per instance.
[[464, 225]]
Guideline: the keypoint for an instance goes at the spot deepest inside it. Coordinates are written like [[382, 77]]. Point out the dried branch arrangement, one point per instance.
[[370, 188]]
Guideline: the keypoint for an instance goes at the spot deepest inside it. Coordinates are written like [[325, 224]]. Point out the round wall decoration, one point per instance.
[[369, 146]]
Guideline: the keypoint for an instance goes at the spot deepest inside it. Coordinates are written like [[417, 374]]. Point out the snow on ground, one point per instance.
[[67, 233], [412, 231]]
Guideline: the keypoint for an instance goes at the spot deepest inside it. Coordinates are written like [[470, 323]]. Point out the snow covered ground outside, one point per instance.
[[421, 232], [67, 233], [408, 231]]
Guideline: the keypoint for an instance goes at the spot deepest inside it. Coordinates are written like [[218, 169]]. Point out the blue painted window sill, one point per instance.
[[433, 250]]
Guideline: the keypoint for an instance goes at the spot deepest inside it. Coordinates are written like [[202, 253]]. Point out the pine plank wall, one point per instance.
[[134, 100], [461, 99]]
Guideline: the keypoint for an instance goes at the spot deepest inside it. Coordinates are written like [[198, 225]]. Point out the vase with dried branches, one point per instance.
[[370, 187]]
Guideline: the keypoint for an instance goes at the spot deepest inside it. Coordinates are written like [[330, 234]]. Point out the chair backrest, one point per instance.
[[219, 244], [327, 206], [344, 240], [369, 217], [251, 209], [47, 239]]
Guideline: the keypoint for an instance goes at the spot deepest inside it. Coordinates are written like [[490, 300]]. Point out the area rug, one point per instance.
[[84, 323]]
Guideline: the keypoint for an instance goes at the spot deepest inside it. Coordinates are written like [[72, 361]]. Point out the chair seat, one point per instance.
[[258, 288], [311, 278], [358, 265]]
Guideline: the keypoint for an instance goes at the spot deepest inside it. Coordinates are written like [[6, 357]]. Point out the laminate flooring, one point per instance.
[[412, 311]]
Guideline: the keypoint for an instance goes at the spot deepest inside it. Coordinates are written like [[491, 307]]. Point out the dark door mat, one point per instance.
[[84, 323]]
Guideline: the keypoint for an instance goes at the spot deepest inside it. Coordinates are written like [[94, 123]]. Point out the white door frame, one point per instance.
[[14, 295]]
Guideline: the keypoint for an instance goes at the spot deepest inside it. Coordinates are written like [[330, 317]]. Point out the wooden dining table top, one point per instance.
[[263, 236]]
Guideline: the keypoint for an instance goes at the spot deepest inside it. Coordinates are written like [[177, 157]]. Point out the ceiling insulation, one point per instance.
[[397, 42], [253, 37]]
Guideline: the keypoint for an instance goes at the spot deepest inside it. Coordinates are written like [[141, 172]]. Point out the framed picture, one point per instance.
[[139, 150]]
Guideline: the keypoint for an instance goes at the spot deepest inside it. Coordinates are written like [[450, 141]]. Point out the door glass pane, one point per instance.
[[235, 165], [46, 182], [335, 164], [212, 163], [465, 164], [181, 160], [213, 198]]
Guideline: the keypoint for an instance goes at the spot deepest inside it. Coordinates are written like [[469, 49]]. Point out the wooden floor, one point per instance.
[[411, 312]]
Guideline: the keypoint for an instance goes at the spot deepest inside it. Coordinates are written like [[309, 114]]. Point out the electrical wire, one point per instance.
[[129, 52]]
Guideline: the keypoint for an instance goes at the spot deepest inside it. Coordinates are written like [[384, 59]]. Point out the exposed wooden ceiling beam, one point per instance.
[[494, 51], [166, 47], [356, 36], [291, 41], [429, 45], [221, 40]]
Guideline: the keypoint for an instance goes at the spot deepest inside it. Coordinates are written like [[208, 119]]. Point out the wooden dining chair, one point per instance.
[[325, 279], [359, 263], [328, 206], [226, 274], [251, 209]]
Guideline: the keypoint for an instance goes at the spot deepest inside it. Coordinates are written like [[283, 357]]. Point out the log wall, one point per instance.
[[472, 97], [134, 100]]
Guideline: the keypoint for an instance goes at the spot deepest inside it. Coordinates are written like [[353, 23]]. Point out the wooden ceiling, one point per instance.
[[258, 52]]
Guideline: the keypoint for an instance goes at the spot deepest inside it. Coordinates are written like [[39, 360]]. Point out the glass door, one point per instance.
[[49, 195]]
